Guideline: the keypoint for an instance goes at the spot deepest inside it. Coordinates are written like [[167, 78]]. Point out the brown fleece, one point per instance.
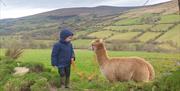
[[122, 68]]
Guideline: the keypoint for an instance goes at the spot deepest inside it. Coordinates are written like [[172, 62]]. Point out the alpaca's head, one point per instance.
[[97, 44]]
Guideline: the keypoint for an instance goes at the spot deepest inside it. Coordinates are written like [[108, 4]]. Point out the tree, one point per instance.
[[179, 6]]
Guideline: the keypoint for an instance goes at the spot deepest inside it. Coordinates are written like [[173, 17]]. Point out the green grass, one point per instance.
[[172, 18], [172, 35], [45, 41], [85, 63], [148, 36], [85, 60], [80, 33], [10, 37], [166, 47], [124, 36], [101, 34], [81, 43], [129, 28], [161, 27], [129, 21]]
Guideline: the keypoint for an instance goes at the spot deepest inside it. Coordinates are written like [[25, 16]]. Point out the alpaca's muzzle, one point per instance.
[[93, 47]]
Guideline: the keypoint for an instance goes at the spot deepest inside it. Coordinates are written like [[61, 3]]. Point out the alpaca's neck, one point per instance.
[[101, 55]]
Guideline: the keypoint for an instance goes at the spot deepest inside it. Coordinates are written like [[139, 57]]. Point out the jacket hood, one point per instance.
[[64, 34]]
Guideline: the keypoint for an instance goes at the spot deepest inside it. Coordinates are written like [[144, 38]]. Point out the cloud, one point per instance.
[[20, 8], [156, 1], [121, 2], [19, 12], [129, 2]]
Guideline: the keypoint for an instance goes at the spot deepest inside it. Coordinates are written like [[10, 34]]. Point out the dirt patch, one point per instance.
[[53, 88]]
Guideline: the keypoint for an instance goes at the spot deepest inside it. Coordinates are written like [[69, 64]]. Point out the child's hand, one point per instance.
[[72, 60]]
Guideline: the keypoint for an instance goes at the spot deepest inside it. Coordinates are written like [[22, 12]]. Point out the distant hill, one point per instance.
[[59, 16], [123, 28], [162, 8], [84, 11]]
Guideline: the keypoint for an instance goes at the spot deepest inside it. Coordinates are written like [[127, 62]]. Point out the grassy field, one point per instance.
[[172, 18], [45, 41], [85, 60], [161, 27], [166, 46], [124, 36], [101, 34], [129, 28], [172, 35], [87, 65], [128, 21], [5, 38], [148, 36], [81, 43], [80, 33]]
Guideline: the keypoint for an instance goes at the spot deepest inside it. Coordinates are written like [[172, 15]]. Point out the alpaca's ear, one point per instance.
[[101, 40], [92, 41]]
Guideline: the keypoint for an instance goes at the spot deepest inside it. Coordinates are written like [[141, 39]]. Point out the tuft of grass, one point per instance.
[[14, 52]]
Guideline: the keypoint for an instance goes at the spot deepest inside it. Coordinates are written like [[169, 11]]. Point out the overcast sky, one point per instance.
[[20, 8]]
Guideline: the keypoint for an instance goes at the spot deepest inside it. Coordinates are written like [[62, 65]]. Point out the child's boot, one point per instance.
[[67, 83], [62, 80]]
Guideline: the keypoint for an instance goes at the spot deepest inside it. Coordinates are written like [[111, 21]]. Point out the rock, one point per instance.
[[21, 70]]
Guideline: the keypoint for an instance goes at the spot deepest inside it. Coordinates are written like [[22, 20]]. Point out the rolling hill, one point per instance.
[[57, 17], [148, 28]]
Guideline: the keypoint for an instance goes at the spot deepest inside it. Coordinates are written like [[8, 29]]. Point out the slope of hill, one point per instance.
[[57, 17], [123, 28], [83, 11], [163, 8], [151, 28]]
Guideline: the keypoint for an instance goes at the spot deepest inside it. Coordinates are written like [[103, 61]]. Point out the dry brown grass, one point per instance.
[[14, 51]]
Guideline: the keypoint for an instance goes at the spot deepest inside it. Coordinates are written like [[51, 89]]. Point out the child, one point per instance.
[[62, 56]]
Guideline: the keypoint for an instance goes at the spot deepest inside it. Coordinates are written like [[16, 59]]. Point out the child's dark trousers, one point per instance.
[[65, 75]]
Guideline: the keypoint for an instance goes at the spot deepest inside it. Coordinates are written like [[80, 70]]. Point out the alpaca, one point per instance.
[[122, 68]]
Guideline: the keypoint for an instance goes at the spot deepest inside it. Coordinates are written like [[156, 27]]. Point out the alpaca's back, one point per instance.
[[151, 71]]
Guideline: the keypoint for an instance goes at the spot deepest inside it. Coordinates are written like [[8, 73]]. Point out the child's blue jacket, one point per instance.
[[62, 51]]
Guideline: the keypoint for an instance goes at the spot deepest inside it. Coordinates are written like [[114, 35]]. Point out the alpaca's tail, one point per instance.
[[151, 71]]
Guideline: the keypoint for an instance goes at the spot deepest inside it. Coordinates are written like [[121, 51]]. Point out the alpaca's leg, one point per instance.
[[141, 74], [111, 78]]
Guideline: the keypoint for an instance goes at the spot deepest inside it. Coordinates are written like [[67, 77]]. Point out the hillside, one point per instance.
[[150, 28], [57, 17]]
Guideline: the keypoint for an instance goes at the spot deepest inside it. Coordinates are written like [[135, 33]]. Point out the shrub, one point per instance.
[[169, 82], [55, 81], [40, 85], [6, 68], [18, 84], [14, 52], [28, 82]]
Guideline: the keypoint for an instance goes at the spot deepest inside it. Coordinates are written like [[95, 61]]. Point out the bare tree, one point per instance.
[[179, 6], [1, 2], [146, 2]]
